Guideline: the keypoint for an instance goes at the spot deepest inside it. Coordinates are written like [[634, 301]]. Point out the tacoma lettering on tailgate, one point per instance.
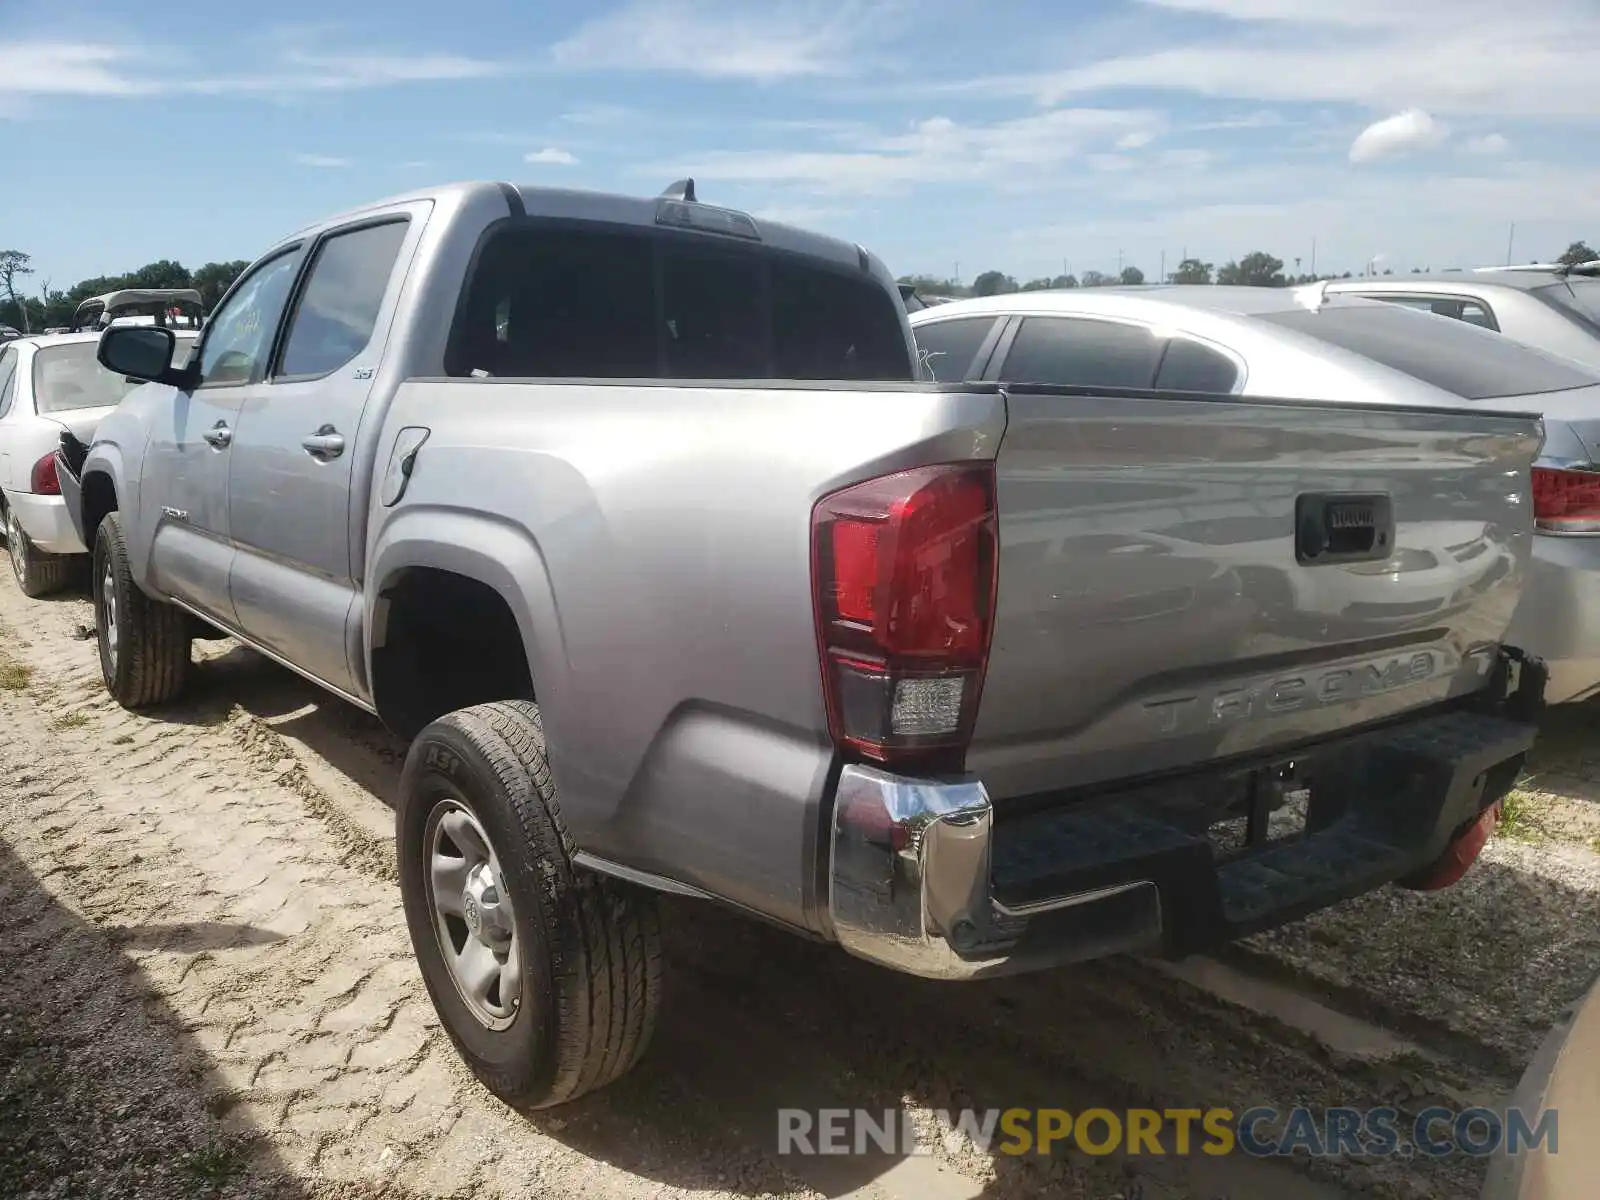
[[1269, 696]]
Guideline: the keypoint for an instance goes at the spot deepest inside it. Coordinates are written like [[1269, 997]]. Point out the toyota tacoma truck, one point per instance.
[[633, 515]]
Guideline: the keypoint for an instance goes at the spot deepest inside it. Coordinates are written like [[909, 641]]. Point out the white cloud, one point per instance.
[[1447, 57], [1135, 138], [1487, 144], [1455, 219], [50, 68], [550, 156], [321, 160], [720, 38], [932, 151], [66, 68], [1400, 134]]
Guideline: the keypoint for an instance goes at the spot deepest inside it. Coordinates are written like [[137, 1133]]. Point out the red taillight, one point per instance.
[[1566, 501], [44, 481], [903, 575]]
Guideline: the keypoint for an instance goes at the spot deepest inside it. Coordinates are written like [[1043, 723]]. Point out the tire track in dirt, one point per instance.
[[827, 1029]]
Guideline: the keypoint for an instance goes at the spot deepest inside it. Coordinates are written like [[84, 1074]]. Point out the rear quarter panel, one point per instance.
[[654, 543]]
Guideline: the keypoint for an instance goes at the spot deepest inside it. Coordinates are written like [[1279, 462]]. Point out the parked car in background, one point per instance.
[[8, 333], [915, 301], [1547, 305], [632, 515], [49, 385], [181, 308], [1317, 344]]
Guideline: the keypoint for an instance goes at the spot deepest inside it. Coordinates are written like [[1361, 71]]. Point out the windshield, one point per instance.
[[67, 378], [1461, 358], [1580, 296]]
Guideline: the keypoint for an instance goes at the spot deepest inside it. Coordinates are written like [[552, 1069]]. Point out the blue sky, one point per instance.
[[1026, 135]]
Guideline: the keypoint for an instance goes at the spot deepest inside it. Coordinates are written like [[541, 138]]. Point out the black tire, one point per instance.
[[148, 662], [589, 946], [37, 573]]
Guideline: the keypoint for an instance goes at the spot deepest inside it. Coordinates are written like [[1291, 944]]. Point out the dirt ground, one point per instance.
[[206, 989]]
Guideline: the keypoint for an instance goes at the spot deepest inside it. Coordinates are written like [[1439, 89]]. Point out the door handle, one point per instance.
[[326, 442], [219, 435]]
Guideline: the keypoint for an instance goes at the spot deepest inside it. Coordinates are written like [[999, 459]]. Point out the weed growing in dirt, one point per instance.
[[122, 739], [14, 676], [214, 1163], [72, 720], [1519, 818]]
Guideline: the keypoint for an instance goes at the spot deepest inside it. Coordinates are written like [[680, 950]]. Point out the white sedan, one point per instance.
[[48, 384]]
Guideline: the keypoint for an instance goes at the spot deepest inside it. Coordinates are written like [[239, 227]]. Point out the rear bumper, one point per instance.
[[927, 878], [46, 522]]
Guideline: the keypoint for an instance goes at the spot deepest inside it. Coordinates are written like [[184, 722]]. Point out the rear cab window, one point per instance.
[[1451, 355], [551, 299]]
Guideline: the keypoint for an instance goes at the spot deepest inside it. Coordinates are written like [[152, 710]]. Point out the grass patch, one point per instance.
[[122, 739], [14, 676], [71, 720], [1519, 818]]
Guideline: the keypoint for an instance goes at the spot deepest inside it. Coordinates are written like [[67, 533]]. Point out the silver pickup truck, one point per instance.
[[633, 515]]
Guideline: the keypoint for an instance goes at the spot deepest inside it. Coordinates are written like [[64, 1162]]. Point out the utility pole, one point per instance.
[[1119, 264], [1163, 276], [1511, 239], [958, 274], [1313, 257]]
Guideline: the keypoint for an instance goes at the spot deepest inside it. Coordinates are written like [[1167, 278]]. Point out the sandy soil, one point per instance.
[[208, 990]]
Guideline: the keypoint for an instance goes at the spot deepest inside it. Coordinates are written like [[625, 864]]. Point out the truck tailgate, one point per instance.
[[1186, 579]]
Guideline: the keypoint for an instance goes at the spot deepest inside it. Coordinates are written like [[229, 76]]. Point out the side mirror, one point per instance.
[[142, 352]]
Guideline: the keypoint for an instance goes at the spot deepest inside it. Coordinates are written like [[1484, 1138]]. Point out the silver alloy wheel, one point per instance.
[[110, 628], [17, 545], [472, 915]]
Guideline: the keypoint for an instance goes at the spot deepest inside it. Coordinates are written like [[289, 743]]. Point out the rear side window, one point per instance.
[[1451, 355], [949, 347], [1082, 353], [68, 378], [1190, 367], [338, 307], [8, 380], [558, 302]]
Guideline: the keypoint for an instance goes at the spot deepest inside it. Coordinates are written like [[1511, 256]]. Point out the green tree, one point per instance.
[[1576, 253], [1064, 281], [1192, 270], [1038, 285], [215, 278], [1132, 276], [993, 283], [163, 274], [1256, 269], [13, 265], [1097, 279]]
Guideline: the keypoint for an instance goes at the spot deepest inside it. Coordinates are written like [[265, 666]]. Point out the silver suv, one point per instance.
[[1552, 307]]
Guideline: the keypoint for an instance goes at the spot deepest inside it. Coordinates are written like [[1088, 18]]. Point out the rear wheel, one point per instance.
[[546, 978], [144, 643], [38, 574]]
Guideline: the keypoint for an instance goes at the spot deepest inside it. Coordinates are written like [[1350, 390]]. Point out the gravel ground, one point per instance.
[[208, 991]]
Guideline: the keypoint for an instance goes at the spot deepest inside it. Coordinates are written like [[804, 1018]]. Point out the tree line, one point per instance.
[[1256, 269], [50, 307]]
